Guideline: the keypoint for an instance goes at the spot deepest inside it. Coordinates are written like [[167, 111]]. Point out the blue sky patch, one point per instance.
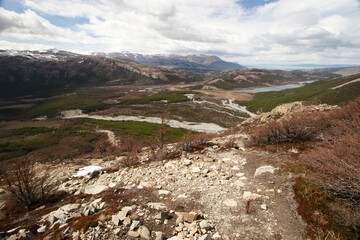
[[249, 4]]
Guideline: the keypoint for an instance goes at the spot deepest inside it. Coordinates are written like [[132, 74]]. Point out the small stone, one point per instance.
[[216, 236], [41, 229], [195, 170], [133, 234], [208, 159], [95, 189], [22, 233], [264, 169], [126, 221], [263, 206], [117, 231], [135, 224], [187, 162], [159, 236], [164, 192], [174, 238], [205, 237], [158, 206], [122, 214], [239, 183], [249, 195], [12, 237], [161, 216], [205, 225], [144, 232], [188, 217], [115, 220], [230, 202]]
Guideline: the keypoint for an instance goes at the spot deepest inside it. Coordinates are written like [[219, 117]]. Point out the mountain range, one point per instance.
[[194, 63]]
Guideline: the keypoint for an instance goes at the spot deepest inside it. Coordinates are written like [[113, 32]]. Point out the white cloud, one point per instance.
[[305, 31], [29, 25]]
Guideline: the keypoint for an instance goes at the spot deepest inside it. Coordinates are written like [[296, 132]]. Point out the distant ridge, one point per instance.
[[194, 63]]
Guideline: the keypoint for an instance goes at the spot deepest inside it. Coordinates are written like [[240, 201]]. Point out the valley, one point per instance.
[[173, 154]]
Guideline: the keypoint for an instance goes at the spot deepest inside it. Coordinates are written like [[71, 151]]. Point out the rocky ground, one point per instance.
[[213, 193]]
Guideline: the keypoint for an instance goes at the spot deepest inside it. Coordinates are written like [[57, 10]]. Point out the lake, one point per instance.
[[275, 88]]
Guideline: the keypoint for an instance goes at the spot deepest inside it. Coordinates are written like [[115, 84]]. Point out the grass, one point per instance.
[[170, 97], [31, 131], [141, 130], [22, 147], [317, 92], [52, 107]]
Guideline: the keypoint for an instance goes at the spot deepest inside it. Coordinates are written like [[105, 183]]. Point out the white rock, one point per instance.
[[205, 237], [144, 232], [230, 202], [205, 225], [239, 183], [164, 192], [135, 224], [115, 220], [195, 170], [95, 189], [159, 236], [216, 236], [264, 169], [249, 195], [41, 229], [158, 206]]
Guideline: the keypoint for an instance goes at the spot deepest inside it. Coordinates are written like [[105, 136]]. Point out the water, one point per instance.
[[276, 88]]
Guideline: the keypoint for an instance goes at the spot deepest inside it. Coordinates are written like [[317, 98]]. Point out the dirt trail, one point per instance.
[[241, 192], [111, 137]]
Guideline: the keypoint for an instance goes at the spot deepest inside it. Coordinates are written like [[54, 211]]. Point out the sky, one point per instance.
[[249, 32]]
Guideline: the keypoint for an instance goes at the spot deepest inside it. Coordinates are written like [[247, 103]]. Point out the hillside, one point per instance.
[[324, 91], [246, 78], [47, 73], [204, 187], [193, 63]]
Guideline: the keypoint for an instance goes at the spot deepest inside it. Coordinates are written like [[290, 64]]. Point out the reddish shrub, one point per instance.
[[299, 126]]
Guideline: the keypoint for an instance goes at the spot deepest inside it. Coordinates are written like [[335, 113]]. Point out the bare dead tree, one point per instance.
[[26, 186], [164, 120]]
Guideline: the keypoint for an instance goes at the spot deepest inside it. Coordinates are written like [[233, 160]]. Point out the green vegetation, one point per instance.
[[142, 130], [20, 147], [52, 107], [170, 97], [31, 131], [317, 92]]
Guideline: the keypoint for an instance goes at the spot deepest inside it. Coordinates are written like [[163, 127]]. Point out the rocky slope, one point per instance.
[[222, 191]]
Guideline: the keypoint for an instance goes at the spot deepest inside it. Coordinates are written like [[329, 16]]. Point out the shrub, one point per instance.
[[299, 126], [129, 143], [27, 186], [336, 159]]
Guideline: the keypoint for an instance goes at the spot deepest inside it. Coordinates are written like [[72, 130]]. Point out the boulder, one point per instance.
[[188, 217], [122, 214], [264, 169], [159, 236], [135, 224], [144, 232], [115, 220], [205, 225], [95, 189], [133, 234]]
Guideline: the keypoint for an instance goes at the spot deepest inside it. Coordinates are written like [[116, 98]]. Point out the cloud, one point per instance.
[[29, 25], [284, 30]]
